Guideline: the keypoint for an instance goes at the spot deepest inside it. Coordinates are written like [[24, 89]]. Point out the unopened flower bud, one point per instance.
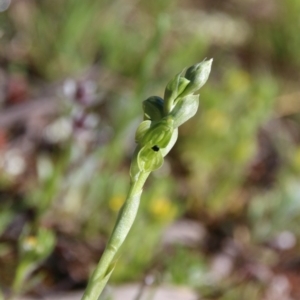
[[159, 134], [184, 109], [153, 108], [174, 88], [149, 160], [197, 75]]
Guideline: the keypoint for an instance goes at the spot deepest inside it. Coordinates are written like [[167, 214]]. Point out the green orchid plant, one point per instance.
[[155, 137]]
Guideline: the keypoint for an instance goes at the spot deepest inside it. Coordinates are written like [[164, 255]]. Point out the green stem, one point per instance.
[[25, 267], [123, 224]]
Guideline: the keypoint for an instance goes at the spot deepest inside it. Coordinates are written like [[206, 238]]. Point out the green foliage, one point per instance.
[[194, 266], [33, 249], [134, 47]]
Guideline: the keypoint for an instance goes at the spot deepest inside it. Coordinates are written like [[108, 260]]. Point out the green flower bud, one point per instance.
[[185, 109], [159, 134], [166, 150], [155, 139], [149, 160], [173, 89], [198, 75], [141, 130], [153, 108]]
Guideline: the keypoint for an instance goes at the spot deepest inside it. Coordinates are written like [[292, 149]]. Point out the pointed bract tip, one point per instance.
[[198, 75]]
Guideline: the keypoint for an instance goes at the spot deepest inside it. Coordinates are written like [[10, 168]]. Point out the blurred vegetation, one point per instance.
[[73, 75]]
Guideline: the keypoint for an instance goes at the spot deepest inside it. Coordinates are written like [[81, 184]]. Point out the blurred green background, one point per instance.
[[73, 75]]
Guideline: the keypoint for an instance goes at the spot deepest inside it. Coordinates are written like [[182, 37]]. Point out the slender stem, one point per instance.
[[123, 224]]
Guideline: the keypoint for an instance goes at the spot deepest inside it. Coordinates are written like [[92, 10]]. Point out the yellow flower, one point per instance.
[[162, 208], [116, 202], [217, 121], [238, 80], [30, 243]]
